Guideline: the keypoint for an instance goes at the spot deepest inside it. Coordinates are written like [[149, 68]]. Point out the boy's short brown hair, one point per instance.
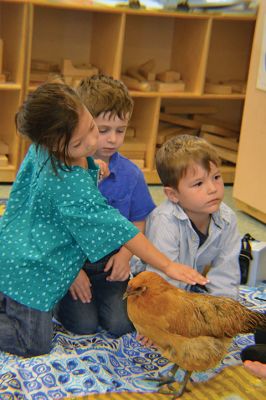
[[178, 153], [103, 94]]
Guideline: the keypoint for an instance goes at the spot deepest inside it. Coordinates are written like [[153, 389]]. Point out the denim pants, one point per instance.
[[107, 308], [24, 331]]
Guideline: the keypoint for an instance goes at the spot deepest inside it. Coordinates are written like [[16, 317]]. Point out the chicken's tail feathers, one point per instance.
[[254, 321]]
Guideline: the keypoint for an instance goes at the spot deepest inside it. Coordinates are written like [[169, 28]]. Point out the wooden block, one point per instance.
[[39, 65], [216, 88], [140, 163], [148, 76], [218, 130], [2, 78], [68, 69], [227, 143], [166, 133], [237, 85], [134, 84], [169, 87], [147, 70], [4, 149], [1, 55], [168, 76], [134, 73], [130, 132], [173, 119], [228, 173], [3, 160], [133, 155], [173, 109], [214, 121], [148, 66], [38, 76], [133, 144], [227, 155]]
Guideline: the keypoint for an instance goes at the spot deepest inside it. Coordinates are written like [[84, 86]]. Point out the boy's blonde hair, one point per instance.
[[103, 94], [180, 152]]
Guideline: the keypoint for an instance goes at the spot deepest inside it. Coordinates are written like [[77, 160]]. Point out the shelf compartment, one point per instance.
[[12, 30], [9, 104], [83, 36], [172, 43], [230, 49]]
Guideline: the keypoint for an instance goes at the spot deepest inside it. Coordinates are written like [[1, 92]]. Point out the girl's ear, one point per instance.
[[171, 194]]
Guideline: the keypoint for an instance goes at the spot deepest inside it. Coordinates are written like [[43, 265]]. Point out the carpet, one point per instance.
[[233, 383], [114, 368]]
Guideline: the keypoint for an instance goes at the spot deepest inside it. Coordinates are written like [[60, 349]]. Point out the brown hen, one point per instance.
[[192, 330]]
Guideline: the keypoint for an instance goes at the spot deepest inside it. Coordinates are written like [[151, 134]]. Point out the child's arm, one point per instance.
[[141, 247], [120, 261]]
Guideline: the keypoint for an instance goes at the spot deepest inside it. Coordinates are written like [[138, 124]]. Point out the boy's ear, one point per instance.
[[171, 194]]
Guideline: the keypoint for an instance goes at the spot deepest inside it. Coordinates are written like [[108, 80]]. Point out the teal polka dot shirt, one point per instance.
[[52, 224]]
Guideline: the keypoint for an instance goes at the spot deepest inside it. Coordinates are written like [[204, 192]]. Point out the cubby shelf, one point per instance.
[[202, 47]]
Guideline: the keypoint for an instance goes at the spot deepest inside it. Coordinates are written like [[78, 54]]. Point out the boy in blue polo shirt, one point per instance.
[[95, 298]]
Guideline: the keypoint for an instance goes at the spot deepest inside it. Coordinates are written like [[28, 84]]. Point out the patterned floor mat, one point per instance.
[[89, 365]]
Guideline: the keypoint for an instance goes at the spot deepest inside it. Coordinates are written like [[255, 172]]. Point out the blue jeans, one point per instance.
[[24, 331], [106, 309]]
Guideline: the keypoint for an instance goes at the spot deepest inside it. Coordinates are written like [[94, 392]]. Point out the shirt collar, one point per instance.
[[219, 217]]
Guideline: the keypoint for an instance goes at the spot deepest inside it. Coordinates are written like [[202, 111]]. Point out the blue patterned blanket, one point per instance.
[[82, 365]]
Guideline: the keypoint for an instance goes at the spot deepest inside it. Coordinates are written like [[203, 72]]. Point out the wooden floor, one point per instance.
[[233, 383]]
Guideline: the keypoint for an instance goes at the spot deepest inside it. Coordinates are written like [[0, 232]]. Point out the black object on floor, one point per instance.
[[260, 336], [256, 352]]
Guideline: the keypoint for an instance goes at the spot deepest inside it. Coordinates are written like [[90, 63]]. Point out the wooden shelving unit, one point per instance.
[[250, 183], [13, 20], [199, 46]]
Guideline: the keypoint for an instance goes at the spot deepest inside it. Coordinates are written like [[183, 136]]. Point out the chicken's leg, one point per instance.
[[182, 389]]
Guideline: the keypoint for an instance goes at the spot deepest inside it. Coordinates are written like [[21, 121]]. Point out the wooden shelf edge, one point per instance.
[[188, 95], [72, 4], [259, 215], [10, 86]]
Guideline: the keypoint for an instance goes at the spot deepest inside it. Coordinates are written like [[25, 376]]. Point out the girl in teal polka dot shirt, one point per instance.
[[56, 219]]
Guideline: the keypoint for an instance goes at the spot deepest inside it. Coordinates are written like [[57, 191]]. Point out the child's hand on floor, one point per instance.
[[119, 263], [81, 288]]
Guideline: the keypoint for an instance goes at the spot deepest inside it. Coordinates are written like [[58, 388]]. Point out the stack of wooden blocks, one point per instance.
[[145, 79], [198, 120]]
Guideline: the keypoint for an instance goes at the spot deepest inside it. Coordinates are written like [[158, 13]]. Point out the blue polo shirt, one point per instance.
[[126, 190], [52, 224]]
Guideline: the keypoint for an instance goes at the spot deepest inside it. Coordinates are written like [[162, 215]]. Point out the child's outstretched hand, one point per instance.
[[185, 274], [81, 288], [104, 169]]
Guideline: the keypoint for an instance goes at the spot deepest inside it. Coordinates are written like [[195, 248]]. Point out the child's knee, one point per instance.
[[119, 326]]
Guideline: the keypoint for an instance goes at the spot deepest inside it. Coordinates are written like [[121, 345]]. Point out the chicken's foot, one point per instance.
[[165, 379], [181, 390]]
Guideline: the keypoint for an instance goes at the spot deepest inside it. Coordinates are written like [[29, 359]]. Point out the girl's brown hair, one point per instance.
[[103, 94], [48, 118], [180, 152]]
